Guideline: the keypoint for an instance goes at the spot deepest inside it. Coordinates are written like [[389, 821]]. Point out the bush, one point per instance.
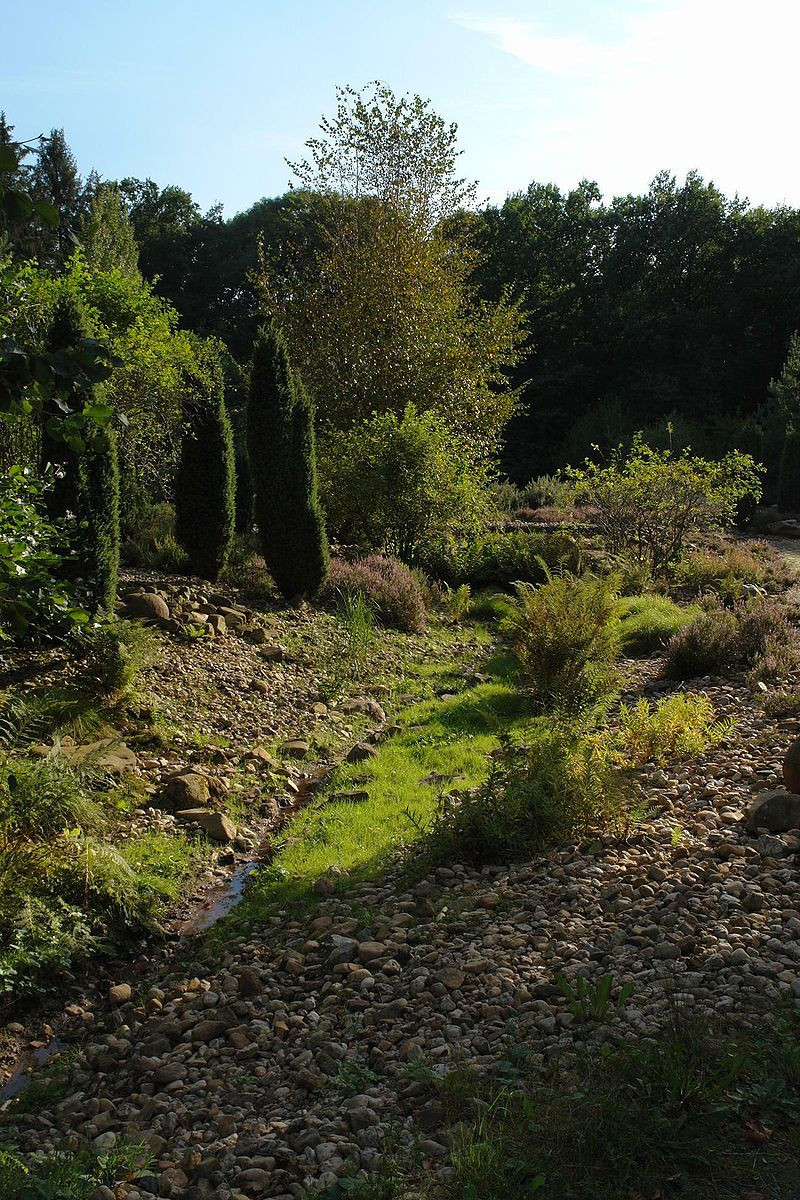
[[114, 654], [205, 484], [678, 727], [755, 634], [566, 638], [396, 484], [388, 586], [727, 568], [548, 491], [501, 559], [647, 622], [88, 483], [649, 501], [558, 788], [34, 601], [282, 455]]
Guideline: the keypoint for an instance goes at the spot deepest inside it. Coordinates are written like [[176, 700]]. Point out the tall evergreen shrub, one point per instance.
[[789, 473], [205, 484], [283, 466], [88, 483]]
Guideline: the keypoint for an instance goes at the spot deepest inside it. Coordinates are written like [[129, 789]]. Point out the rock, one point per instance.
[[215, 824], [369, 951], [360, 752], [106, 754], [217, 624], [451, 977], [260, 685], [233, 618], [791, 767], [295, 748], [148, 606], [259, 754], [120, 993], [354, 797], [776, 811], [187, 789], [206, 1031], [363, 704]]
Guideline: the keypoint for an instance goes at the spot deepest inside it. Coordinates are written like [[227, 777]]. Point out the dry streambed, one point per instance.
[[290, 1058]]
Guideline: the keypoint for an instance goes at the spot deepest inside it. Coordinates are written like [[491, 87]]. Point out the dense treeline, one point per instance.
[[670, 311], [675, 306]]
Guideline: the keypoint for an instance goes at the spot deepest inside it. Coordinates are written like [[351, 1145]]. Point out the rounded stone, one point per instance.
[[791, 767]]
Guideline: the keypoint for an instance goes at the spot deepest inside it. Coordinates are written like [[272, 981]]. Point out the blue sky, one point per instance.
[[214, 95]]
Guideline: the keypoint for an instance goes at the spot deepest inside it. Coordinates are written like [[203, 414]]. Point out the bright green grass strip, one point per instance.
[[163, 861], [445, 737]]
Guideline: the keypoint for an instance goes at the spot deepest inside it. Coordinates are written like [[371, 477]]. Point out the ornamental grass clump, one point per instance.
[[388, 587]]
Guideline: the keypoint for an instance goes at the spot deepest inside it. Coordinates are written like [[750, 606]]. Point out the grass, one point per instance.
[[700, 1112], [648, 621], [443, 744]]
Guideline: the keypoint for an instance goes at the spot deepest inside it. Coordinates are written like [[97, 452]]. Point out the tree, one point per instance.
[[382, 312], [283, 465], [786, 392], [88, 487], [395, 150], [56, 180], [205, 503], [107, 233]]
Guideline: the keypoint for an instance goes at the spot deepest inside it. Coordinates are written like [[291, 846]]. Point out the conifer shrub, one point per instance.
[[87, 469], [789, 473], [282, 455], [205, 483]]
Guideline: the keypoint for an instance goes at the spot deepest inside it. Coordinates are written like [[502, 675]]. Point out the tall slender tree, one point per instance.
[[205, 501], [56, 180], [283, 464]]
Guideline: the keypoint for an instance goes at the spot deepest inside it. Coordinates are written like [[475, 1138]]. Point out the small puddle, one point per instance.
[[220, 901], [30, 1060]]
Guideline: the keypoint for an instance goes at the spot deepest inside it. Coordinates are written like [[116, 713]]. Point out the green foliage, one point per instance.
[[67, 1174], [618, 1120], [789, 473], [205, 506], [725, 569], [397, 483], [647, 502], [566, 639], [678, 727], [114, 653], [755, 634], [558, 787], [34, 600], [547, 491], [88, 475], [283, 463], [648, 621], [108, 239], [590, 1001], [501, 559]]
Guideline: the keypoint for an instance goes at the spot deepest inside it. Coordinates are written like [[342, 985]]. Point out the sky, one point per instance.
[[214, 96]]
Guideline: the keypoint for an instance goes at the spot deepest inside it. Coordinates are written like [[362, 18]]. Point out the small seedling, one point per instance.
[[588, 1001]]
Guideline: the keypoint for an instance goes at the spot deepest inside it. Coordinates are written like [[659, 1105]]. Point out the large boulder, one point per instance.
[[106, 754], [776, 811], [147, 606], [187, 789], [215, 824]]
